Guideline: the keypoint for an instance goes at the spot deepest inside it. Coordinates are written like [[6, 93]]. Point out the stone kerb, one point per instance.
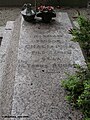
[[5, 44], [45, 53], [8, 59], [3, 53]]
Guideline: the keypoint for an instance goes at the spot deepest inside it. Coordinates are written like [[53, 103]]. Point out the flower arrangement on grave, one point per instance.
[[46, 13], [27, 12]]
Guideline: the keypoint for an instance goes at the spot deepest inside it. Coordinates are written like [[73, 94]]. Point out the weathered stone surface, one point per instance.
[[3, 53], [76, 24], [5, 43], [2, 28], [8, 59], [45, 53]]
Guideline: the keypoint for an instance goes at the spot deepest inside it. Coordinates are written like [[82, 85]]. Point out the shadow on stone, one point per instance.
[[1, 40]]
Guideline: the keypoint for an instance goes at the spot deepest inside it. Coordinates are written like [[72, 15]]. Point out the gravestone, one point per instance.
[[45, 54]]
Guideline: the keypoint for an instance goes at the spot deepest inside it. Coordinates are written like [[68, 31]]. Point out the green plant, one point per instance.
[[78, 89], [87, 119], [78, 85], [82, 34], [72, 85], [84, 99]]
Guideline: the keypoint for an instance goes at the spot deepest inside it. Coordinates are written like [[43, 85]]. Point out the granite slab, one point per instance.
[[8, 62], [45, 54], [7, 34]]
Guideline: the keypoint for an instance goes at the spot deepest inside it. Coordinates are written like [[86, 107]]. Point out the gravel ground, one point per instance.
[[73, 11], [10, 14]]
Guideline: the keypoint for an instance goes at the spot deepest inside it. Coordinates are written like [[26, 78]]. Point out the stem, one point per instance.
[[35, 5]]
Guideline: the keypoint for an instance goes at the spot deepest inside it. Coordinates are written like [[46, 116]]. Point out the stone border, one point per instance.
[[8, 62]]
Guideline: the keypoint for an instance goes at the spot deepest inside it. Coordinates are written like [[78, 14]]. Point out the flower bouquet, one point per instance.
[[46, 13]]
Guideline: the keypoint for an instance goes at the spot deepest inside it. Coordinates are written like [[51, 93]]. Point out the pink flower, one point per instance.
[[43, 8]]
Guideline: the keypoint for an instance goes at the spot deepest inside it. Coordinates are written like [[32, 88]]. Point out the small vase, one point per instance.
[[46, 17], [27, 12]]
